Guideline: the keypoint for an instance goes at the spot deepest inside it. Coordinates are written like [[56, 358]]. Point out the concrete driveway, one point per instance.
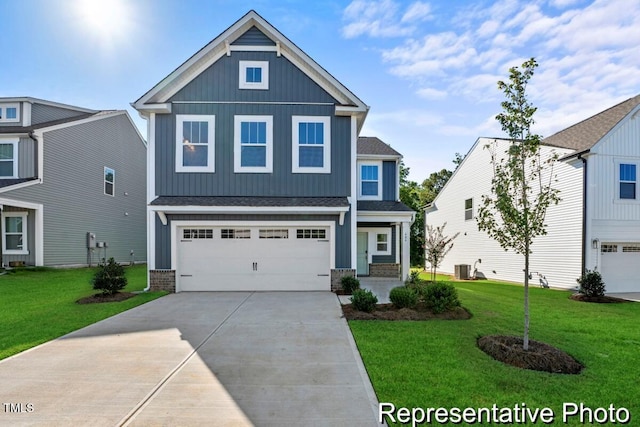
[[236, 358]]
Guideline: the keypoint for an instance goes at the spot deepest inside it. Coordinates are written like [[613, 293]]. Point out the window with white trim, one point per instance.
[[253, 144], [382, 242], [195, 143], [14, 233], [253, 75], [9, 113], [468, 209], [627, 181], [311, 144], [109, 181], [8, 158], [370, 180]]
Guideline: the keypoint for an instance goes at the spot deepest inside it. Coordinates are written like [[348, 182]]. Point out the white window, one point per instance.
[[273, 234], [627, 181], [235, 233], [109, 181], [8, 158], [9, 113], [195, 143], [370, 180], [468, 209], [253, 144], [254, 75], [311, 233], [14, 233], [382, 243], [197, 233], [311, 144]]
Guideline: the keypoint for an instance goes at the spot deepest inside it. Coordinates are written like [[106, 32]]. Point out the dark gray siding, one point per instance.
[[27, 158], [254, 37], [29, 259], [45, 113], [220, 82], [379, 259], [163, 233], [389, 181], [224, 182], [73, 196]]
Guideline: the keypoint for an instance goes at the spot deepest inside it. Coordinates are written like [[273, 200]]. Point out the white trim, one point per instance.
[[398, 228], [242, 71], [151, 245], [211, 143], [252, 103], [237, 145], [151, 157], [3, 112], [386, 216], [21, 185], [162, 217], [295, 144], [372, 241], [26, 114], [247, 48], [353, 198], [617, 199], [32, 100], [15, 143], [95, 117], [175, 225], [259, 210], [39, 220], [113, 184], [359, 168], [379, 157], [24, 233]]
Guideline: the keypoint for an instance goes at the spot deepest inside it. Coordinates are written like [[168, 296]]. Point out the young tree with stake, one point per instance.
[[514, 213], [436, 246]]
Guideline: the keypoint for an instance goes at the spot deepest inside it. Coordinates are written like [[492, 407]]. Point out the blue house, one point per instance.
[[257, 179]]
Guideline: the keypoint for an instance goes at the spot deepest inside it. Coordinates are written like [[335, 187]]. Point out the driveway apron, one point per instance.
[[217, 358]]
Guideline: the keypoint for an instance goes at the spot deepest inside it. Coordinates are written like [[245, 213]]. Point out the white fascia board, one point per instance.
[[162, 108], [21, 185], [378, 157], [385, 216], [39, 132], [258, 210], [32, 100]]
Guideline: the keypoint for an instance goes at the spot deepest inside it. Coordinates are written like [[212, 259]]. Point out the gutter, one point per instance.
[[584, 210]]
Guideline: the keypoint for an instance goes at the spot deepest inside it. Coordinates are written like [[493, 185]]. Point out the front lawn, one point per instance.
[[38, 305], [436, 363]]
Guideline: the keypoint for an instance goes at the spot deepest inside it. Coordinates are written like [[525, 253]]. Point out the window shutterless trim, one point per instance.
[[112, 182], [370, 197], [295, 144], [24, 233], [15, 143], [211, 146], [237, 144], [242, 77], [3, 113]]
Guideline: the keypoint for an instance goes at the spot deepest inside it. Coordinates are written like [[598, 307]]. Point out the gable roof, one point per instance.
[[373, 146], [155, 99], [24, 129], [33, 100], [584, 135]]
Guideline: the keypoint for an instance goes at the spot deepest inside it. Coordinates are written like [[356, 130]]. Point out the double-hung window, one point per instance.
[[253, 144], [311, 136], [627, 181], [468, 209], [370, 183], [195, 143], [9, 113], [109, 181], [8, 158], [254, 75], [14, 233]]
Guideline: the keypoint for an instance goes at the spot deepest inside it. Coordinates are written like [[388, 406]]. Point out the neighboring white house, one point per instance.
[[596, 225]]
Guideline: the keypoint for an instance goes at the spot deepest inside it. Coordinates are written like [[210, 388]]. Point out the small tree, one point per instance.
[[436, 246], [109, 278], [513, 214]]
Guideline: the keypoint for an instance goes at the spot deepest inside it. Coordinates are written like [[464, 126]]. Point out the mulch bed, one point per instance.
[[603, 299], [539, 357], [97, 298], [390, 312]]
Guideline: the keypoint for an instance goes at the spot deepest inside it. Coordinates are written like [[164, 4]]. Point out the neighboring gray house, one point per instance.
[[65, 172], [256, 178]]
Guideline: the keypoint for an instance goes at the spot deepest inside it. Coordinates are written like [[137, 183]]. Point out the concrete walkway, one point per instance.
[[236, 358]]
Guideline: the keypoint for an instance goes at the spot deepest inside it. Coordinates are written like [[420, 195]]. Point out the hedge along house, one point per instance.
[[595, 226], [253, 178], [67, 172]]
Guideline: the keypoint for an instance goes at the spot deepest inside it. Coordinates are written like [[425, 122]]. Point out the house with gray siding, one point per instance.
[[257, 178], [72, 185]]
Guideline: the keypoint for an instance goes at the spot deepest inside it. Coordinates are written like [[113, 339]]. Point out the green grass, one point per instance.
[[437, 364], [38, 305]]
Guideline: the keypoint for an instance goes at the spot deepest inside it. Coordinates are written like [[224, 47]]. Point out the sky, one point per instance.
[[427, 69]]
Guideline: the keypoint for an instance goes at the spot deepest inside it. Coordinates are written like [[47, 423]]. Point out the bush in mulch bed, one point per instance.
[[390, 312], [539, 357], [598, 299]]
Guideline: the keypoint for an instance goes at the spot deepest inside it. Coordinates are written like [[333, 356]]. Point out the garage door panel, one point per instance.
[[619, 266]]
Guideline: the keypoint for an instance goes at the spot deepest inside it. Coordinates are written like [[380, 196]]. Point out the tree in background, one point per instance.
[[513, 214], [436, 247]]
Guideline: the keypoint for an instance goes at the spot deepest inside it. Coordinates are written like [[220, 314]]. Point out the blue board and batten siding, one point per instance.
[[389, 181], [254, 37]]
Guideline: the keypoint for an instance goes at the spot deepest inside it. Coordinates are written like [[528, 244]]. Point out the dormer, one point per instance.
[[378, 167]]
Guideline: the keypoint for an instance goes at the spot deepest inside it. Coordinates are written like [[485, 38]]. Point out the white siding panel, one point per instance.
[[556, 255]]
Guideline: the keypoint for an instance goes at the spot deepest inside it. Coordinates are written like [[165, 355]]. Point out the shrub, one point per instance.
[[364, 300], [591, 284], [414, 278], [403, 297], [109, 278], [441, 297], [350, 284]]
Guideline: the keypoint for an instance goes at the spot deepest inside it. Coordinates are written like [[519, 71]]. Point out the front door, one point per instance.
[[363, 254]]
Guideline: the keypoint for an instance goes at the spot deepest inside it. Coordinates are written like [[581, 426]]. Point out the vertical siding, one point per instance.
[[254, 37], [389, 181], [45, 113], [29, 259], [27, 158], [73, 196], [557, 255]]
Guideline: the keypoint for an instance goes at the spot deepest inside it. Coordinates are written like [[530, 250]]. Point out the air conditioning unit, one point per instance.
[[462, 271]]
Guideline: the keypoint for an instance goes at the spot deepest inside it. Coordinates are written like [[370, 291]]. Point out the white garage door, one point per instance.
[[253, 258], [620, 266]]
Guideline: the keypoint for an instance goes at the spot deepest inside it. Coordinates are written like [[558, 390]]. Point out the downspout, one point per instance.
[[33, 137], [584, 213]]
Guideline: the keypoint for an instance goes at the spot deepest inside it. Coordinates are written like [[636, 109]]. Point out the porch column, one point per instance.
[[406, 249]]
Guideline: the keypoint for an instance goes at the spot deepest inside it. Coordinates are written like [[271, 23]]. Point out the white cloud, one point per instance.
[[383, 18], [417, 11], [430, 93]]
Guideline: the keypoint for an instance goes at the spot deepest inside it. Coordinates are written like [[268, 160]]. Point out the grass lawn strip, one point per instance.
[[437, 363], [38, 305]]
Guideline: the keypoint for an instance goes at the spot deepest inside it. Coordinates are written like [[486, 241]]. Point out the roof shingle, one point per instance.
[[372, 145]]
